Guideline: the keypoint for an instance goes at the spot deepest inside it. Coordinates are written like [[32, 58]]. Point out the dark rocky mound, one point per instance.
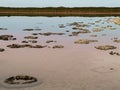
[[84, 41], [30, 29], [25, 45], [58, 46], [114, 53], [50, 33], [106, 47], [7, 37], [30, 41], [1, 49], [49, 41], [30, 37], [20, 79], [35, 33], [3, 28]]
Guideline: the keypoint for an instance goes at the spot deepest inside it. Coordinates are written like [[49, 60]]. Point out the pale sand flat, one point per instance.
[[63, 69]]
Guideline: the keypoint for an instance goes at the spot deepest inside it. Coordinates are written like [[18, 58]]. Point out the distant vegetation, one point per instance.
[[59, 11]]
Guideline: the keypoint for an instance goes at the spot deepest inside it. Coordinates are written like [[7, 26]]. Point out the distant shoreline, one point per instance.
[[60, 11]]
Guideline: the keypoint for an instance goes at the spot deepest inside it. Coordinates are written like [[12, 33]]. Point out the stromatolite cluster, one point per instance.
[[7, 37], [20, 79], [106, 47], [84, 41], [50, 33], [25, 45], [114, 53]]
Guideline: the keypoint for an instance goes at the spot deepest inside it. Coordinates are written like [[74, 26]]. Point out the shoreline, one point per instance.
[[60, 11]]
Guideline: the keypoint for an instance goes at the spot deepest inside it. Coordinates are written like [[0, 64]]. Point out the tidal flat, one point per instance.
[[60, 53]]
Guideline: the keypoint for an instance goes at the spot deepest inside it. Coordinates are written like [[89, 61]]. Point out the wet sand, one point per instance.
[[86, 69]]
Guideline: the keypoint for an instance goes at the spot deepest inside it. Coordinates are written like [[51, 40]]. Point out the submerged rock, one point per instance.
[[30, 29], [106, 47], [67, 31], [50, 33], [3, 28], [35, 34], [61, 26], [84, 41]]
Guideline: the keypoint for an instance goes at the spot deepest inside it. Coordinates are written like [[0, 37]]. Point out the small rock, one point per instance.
[[35, 34], [111, 53], [49, 41], [50, 33], [61, 26], [58, 46], [67, 31], [24, 41], [30, 37], [32, 41], [28, 29], [111, 68]]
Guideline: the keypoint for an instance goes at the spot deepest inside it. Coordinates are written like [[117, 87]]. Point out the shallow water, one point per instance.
[[15, 26]]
